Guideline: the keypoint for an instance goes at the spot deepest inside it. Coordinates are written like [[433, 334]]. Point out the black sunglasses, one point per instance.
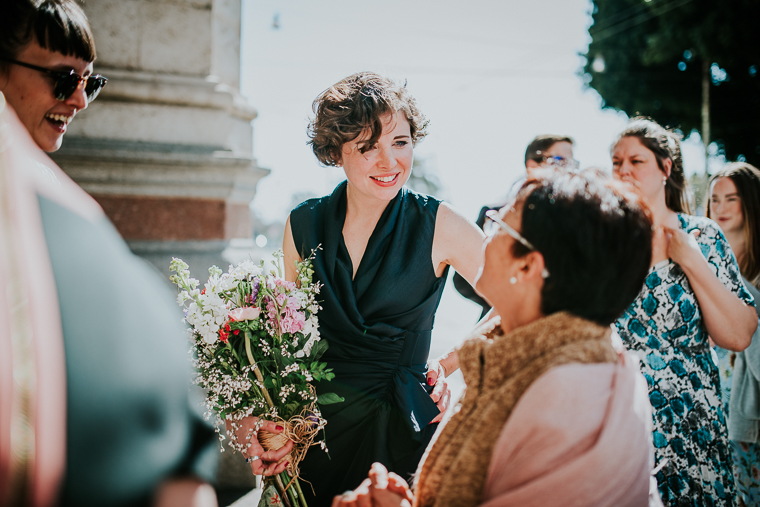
[[66, 83]]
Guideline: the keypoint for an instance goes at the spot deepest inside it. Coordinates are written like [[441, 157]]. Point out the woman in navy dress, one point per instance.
[[385, 252], [692, 290]]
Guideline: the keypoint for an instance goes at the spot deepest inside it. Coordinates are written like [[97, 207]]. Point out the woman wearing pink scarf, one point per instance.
[[552, 414]]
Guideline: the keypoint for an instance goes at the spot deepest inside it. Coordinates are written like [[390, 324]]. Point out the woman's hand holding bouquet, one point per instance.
[[256, 346]]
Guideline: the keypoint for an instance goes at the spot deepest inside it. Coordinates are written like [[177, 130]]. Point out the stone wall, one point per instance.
[[166, 148]]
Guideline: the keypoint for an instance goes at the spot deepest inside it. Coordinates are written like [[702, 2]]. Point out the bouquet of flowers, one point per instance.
[[256, 348]]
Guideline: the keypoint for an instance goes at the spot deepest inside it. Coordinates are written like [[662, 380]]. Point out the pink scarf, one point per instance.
[[579, 436]]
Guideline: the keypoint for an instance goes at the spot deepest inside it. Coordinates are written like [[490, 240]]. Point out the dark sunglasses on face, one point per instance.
[[66, 83]]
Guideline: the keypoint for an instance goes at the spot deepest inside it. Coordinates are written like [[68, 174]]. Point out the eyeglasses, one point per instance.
[[495, 222], [569, 164], [66, 83]]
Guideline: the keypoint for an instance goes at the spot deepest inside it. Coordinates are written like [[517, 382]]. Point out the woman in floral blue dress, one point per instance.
[[693, 290], [735, 205]]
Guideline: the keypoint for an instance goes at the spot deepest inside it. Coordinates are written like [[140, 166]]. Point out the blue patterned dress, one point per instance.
[[664, 328]]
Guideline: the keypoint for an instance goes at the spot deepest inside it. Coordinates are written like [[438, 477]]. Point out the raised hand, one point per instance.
[[682, 247]]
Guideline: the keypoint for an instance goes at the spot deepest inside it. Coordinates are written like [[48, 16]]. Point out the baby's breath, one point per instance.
[[252, 335]]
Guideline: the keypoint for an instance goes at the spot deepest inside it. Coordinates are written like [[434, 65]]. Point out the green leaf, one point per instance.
[[319, 348], [289, 410], [329, 399]]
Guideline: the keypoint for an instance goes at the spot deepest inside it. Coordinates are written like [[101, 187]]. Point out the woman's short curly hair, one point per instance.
[[354, 105]]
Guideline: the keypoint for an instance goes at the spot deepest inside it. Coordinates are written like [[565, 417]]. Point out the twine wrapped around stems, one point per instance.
[[302, 429]]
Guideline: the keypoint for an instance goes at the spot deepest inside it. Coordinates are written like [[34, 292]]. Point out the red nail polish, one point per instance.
[[430, 381], [279, 428]]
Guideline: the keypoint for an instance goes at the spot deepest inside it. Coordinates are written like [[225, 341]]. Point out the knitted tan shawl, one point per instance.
[[497, 369]]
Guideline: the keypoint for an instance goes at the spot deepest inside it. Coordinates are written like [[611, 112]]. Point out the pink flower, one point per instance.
[[292, 322], [245, 313], [288, 286]]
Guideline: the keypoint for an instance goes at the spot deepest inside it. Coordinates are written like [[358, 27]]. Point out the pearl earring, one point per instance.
[[513, 280], [664, 181]]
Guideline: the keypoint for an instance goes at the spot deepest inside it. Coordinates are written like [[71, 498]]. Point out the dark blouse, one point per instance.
[[378, 326]]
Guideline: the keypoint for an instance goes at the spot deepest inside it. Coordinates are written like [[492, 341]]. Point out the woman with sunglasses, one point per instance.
[[94, 401], [693, 289], [46, 76], [552, 415], [734, 204]]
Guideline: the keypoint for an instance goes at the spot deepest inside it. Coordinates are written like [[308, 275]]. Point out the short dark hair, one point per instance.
[[539, 144], [56, 25], [746, 178], [664, 144], [595, 235], [354, 105]]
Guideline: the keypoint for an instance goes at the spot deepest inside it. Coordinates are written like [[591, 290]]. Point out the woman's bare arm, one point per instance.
[[729, 321], [291, 254], [458, 243]]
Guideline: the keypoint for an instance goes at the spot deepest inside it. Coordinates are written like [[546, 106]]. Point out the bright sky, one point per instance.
[[488, 74]]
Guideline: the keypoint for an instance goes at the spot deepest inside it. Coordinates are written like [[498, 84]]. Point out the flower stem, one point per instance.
[[291, 491], [256, 370], [301, 498], [283, 494]]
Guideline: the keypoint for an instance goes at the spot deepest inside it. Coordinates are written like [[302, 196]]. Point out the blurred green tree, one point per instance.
[[668, 59]]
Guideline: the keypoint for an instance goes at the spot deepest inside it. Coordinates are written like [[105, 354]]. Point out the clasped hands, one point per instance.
[[380, 489]]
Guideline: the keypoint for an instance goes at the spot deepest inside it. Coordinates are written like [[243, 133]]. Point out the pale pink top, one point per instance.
[[31, 340], [579, 436]]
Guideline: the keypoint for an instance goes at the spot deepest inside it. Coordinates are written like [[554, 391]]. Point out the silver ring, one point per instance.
[[251, 459]]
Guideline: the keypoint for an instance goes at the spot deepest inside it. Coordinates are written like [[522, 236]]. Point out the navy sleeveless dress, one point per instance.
[[378, 326]]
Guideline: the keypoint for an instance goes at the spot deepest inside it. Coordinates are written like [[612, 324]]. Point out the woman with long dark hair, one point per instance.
[[734, 204], [693, 289]]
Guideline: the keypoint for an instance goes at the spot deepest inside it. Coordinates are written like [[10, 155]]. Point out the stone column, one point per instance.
[[166, 149]]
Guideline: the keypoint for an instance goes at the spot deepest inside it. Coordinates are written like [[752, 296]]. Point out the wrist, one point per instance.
[[692, 262], [449, 363]]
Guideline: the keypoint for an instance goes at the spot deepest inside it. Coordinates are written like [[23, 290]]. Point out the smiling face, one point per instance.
[[726, 206], [381, 170], [30, 93], [636, 164]]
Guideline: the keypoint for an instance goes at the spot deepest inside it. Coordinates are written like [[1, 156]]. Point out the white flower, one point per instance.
[[212, 285], [244, 269], [210, 337], [227, 282]]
